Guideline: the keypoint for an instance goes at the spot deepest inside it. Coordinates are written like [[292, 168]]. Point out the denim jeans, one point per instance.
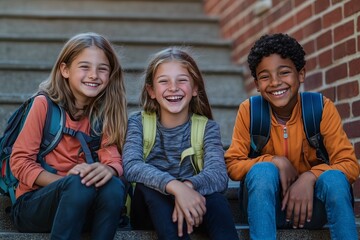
[[67, 207], [151, 209], [261, 203]]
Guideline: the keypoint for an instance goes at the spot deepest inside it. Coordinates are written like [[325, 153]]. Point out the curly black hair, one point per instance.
[[278, 43]]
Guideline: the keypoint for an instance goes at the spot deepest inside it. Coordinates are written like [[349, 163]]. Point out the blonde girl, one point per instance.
[[87, 82]]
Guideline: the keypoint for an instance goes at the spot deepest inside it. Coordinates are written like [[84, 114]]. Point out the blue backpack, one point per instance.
[[312, 107], [54, 128]]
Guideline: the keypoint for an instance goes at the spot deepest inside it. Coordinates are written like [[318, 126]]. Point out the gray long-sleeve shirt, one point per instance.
[[162, 164]]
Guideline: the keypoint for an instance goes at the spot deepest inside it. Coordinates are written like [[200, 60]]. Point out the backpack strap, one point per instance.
[[52, 133], [198, 124], [54, 129], [259, 124], [149, 131], [312, 108]]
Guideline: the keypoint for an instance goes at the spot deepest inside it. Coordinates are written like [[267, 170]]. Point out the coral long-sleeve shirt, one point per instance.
[[64, 156], [295, 147]]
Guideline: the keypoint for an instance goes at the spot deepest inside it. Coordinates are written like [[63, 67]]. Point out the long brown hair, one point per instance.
[[198, 104], [109, 107]]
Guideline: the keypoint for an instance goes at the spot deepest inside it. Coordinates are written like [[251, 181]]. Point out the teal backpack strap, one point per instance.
[[260, 123], [52, 133], [198, 124], [312, 108], [149, 131]]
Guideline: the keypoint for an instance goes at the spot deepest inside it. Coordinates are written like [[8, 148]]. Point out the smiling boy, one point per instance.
[[287, 186]]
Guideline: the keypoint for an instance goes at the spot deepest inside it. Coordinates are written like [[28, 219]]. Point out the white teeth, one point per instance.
[[174, 97], [92, 84], [278, 92]]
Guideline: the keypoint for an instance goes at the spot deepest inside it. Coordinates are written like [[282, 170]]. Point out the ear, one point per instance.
[[302, 74], [195, 91], [64, 70], [256, 84], [150, 91]]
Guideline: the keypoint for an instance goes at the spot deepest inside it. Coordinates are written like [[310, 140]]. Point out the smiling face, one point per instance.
[[88, 74], [173, 88], [278, 82]]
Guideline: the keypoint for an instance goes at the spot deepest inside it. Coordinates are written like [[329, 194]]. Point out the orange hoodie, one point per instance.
[[295, 147]]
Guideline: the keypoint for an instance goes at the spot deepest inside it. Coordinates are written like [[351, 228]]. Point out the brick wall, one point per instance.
[[329, 30]]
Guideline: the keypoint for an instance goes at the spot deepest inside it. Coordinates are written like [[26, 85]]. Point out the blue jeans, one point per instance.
[[67, 207], [151, 209], [261, 203]]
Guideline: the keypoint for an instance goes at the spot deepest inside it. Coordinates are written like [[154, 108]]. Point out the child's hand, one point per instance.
[[288, 173], [299, 200], [93, 174], [189, 204]]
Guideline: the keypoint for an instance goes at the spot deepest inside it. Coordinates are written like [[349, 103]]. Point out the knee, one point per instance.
[[263, 174], [73, 189], [332, 184], [114, 189]]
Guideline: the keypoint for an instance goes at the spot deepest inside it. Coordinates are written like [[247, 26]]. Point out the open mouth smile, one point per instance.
[[91, 84], [174, 98], [280, 92]]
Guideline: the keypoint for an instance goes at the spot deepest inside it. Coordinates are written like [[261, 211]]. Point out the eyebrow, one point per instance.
[[86, 62], [180, 75]]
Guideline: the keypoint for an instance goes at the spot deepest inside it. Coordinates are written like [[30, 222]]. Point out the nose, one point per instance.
[[275, 80], [92, 74], [173, 86]]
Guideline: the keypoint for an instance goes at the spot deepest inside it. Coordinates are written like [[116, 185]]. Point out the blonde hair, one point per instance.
[[198, 104], [109, 107]]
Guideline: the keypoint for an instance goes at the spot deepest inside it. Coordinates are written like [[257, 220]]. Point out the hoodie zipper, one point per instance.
[[285, 140]]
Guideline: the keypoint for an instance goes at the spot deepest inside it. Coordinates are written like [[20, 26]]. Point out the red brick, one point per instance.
[[329, 93], [349, 129], [297, 3], [345, 49], [332, 17], [336, 73], [324, 40], [344, 110], [347, 90], [313, 27], [309, 47], [313, 81], [351, 7], [354, 67], [356, 188], [357, 149], [304, 14], [356, 108], [343, 31], [298, 35], [311, 64], [285, 25], [321, 5], [325, 58], [283, 10]]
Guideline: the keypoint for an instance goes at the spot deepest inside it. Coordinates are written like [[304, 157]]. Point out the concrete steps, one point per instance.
[[7, 230]]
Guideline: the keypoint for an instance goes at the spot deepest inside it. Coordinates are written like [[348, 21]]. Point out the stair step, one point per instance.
[[7, 230], [15, 49], [110, 26], [116, 8]]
